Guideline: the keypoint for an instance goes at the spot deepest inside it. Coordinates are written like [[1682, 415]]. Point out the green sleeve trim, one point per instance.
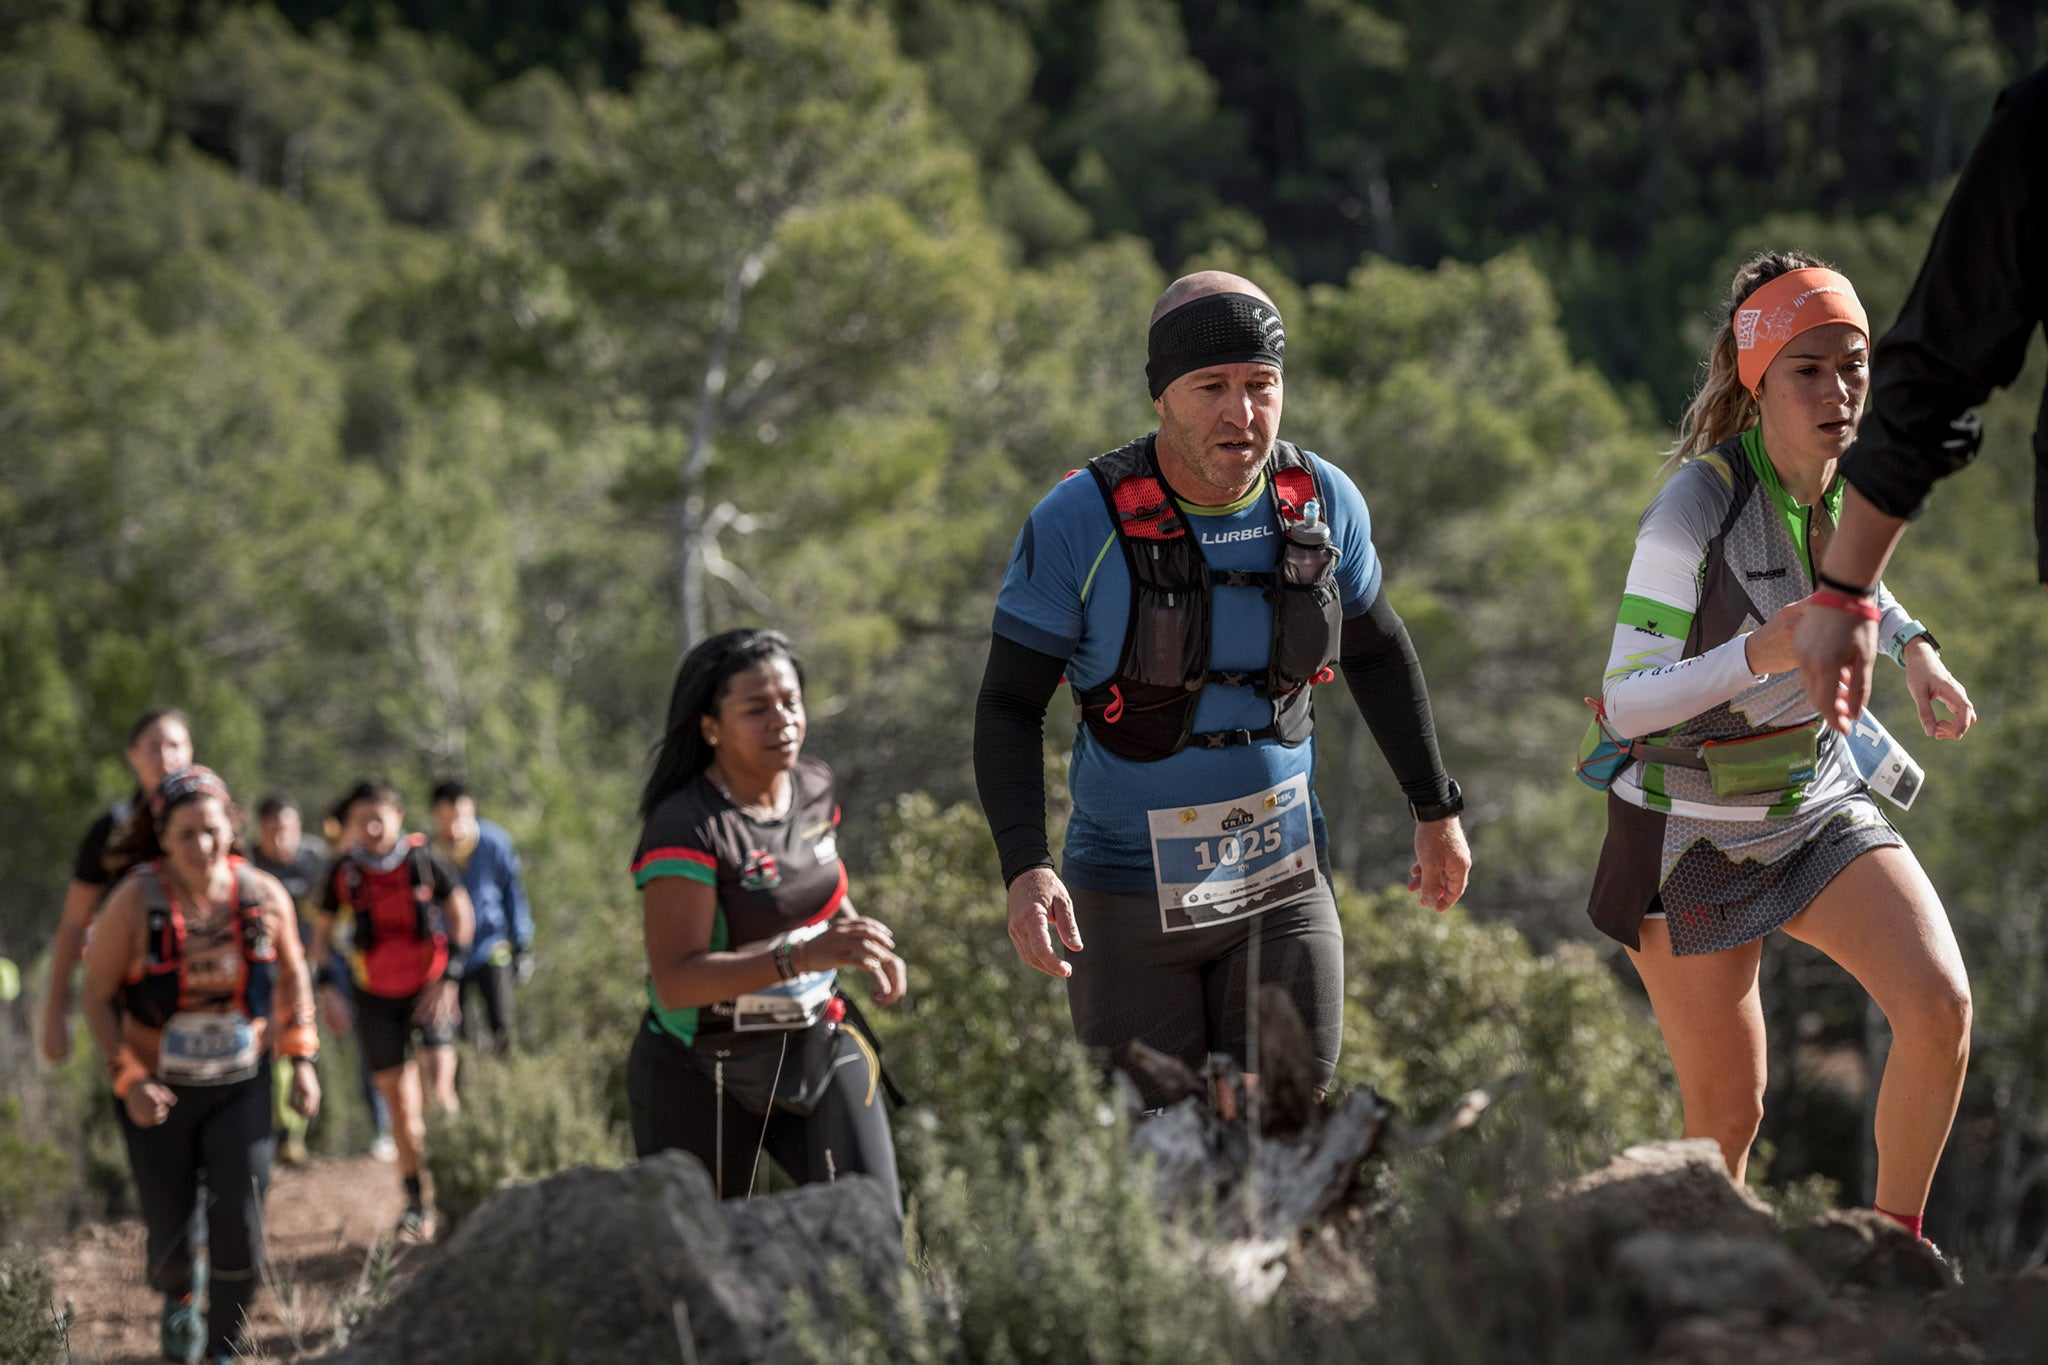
[[1089, 581], [673, 867], [1657, 617]]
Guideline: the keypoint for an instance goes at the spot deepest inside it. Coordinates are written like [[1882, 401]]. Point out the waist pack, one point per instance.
[[1769, 762], [1750, 766], [1602, 753]]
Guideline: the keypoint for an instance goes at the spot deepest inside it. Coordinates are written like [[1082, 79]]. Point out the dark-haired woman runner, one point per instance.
[[747, 921], [1747, 815], [193, 980]]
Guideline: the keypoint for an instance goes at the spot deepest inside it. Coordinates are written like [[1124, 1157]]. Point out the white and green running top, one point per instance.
[[1720, 550]]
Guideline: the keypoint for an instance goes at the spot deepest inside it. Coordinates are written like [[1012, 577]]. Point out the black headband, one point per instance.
[[1216, 329], [185, 784]]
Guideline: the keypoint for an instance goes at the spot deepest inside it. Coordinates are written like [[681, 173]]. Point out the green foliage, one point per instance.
[[1041, 1244], [523, 1117], [32, 1331], [1436, 1004], [979, 1032], [32, 1171]]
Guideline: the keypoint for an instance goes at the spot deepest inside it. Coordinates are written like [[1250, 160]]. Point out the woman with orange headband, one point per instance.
[[1737, 813], [193, 979]]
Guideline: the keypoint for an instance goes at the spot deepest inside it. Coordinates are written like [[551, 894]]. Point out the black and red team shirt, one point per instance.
[[770, 876], [90, 863], [399, 961]]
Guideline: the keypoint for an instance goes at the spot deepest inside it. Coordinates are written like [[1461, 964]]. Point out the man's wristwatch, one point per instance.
[[1451, 805]]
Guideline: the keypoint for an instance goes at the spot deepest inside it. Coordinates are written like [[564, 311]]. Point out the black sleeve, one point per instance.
[[90, 865], [446, 878], [330, 893], [1379, 665], [1009, 751], [1965, 326]]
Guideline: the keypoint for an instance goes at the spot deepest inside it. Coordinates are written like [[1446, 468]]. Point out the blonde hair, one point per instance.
[[1722, 406]]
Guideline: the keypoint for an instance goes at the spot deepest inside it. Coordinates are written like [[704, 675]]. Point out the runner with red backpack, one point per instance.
[[403, 920], [194, 979]]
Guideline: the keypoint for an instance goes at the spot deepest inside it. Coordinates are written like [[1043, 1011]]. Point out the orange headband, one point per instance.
[[1797, 301]]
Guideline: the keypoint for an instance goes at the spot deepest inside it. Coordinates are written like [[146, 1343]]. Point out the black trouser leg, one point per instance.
[[673, 1102], [847, 1133], [165, 1162], [236, 1144], [489, 986]]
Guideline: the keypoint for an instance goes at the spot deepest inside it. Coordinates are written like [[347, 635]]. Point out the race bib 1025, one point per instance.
[[1229, 859]]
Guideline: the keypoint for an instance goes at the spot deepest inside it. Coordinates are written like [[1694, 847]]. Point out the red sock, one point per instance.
[[1909, 1221]]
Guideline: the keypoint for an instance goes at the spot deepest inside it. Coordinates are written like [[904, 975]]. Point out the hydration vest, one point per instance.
[[1146, 710], [162, 990], [427, 927]]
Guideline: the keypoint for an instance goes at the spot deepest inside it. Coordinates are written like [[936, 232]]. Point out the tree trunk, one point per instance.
[[697, 457]]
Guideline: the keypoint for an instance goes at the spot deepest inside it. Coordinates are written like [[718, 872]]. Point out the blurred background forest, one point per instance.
[[399, 386]]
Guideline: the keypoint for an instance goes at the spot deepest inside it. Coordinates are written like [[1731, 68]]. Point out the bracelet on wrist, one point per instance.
[[785, 962], [1821, 580], [1836, 600]]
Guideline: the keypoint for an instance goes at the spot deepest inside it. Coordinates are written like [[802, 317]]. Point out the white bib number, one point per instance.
[[1232, 858], [208, 1049], [787, 1004]]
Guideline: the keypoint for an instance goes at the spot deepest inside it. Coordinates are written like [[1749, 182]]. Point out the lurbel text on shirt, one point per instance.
[[1242, 534]]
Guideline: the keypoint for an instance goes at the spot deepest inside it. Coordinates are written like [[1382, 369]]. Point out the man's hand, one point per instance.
[[1039, 903], [1443, 861], [440, 1004], [56, 1030], [305, 1094], [1835, 651], [1929, 680]]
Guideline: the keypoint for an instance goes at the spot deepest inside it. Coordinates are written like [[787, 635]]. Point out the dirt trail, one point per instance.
[[323, 1219]]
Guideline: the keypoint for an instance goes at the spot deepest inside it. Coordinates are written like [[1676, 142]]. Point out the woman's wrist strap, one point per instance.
[[1836, 600]]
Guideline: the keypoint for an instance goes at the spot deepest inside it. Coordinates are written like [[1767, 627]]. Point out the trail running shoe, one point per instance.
[[416, 1224], [182, 1332], [383, 1148], [1955, 1271]]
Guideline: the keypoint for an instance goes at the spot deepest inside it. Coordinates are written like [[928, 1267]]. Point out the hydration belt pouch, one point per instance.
[[1768, 762], [787, 1071]]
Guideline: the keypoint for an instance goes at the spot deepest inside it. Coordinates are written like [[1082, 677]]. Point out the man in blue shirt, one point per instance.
[[1191, 587], [501, 952]]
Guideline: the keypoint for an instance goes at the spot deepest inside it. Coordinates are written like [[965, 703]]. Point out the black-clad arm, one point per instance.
[[1009, 751], [1965, 326], [1379, 665]]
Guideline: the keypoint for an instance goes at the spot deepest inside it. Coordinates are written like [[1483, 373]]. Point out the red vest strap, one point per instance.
[[1144, 510], [1293, 486]]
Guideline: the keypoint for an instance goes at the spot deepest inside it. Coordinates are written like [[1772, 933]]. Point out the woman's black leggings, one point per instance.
[[675, 1103], [221, 1133]]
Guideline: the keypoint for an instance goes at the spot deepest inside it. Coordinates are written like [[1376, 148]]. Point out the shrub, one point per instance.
[[524, 1117], [32, 1331], [1043, 1245], [1436, 1004]]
